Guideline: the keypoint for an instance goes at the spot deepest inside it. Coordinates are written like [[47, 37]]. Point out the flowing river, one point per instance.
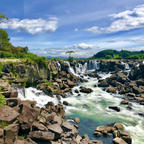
[[92, 109]]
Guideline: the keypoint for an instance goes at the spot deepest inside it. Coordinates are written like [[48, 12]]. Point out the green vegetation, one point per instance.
[[1, 67], [70, 58], [7, 50], [123, 54], [2, 100], [49, 83], [3, 124], [22, 137]]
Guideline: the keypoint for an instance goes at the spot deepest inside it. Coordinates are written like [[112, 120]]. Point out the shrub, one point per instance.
[[2, 100]]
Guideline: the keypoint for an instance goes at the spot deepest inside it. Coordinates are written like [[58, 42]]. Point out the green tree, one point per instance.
[[70, 53], [3, 17]]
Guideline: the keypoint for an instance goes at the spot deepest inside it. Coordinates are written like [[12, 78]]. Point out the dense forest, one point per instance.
[[123, 54]]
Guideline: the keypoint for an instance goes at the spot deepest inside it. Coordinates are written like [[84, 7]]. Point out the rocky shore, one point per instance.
[[21, 122]]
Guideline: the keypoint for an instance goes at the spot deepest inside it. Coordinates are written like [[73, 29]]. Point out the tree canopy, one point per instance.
[[123, 54]]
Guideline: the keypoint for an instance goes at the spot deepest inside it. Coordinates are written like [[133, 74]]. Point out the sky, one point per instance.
[[52, 27]]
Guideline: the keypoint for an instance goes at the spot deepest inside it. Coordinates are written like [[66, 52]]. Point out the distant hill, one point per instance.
[[123, 54]]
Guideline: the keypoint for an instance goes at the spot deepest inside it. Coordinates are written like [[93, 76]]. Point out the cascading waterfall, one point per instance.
[[93, 65], [126, 65], [81, 69], [92, 108], [59, 66]]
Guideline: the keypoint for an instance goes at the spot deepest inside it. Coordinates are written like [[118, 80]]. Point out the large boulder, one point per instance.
[[28, 116], [11, 133], [55, 128], [8, 114], [42, 135], [118, 140]]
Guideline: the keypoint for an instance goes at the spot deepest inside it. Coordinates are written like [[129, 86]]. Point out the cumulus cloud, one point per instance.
[[32, 26], [126, 20], [80, 49], [82, 46]]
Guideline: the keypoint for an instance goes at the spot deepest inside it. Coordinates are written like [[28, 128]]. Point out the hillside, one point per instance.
[[123, 54]]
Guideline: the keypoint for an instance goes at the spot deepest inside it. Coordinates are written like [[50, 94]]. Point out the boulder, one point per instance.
[[111, 90], [119, 126], [38, 126], [42, 135], [105, 129], [1, 136], [11, 133], [67, 126], [55, 128], [124, 102], [65, 103], [60, 110], [76, 91], [103, 83], [77, 120], [12, 102], [118, 140], [125, 136], [97, 134], [116, 108], [86, 90], [28, 116], [130, 95], [8, 114], [70, 83], [25, 141]]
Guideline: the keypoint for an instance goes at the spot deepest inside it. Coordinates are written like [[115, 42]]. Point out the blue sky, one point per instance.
[[51, 27]]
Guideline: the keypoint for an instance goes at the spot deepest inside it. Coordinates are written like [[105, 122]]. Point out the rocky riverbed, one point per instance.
[[103, 99]]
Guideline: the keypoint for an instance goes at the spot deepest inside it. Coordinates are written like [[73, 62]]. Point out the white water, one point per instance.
[[36, 95], [94, 106]]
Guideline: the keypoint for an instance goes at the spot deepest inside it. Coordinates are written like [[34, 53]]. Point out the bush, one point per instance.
[[1, 67], [2, 100]]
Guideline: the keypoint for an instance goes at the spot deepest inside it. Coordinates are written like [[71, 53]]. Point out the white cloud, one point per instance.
[[82, 46], [80, 49], [76, 29], [32, 26], [126, 20]]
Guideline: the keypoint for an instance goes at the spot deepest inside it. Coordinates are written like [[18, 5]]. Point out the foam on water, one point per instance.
[[36, 95]]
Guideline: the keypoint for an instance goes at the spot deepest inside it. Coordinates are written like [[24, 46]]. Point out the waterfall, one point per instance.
[[126, 66], [33, 94], [80, 69], [59, 66]]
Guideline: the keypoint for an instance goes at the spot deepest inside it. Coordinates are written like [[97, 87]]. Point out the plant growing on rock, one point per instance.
[[2, 100]]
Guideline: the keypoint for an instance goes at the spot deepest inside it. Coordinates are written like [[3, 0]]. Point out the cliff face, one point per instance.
[[52, 77]]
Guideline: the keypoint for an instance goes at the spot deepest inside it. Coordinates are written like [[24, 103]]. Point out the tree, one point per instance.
[[69, 52], [3, 17], [70, 58]]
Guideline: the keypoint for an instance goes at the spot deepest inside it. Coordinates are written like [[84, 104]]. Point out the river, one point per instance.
[[92, 109]]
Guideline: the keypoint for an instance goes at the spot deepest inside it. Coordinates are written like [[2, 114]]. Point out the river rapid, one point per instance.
[[92, 109]]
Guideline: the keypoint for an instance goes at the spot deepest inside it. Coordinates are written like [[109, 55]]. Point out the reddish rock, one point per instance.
[[8, 114], [41, 135], [11, 133], [55, 128]]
